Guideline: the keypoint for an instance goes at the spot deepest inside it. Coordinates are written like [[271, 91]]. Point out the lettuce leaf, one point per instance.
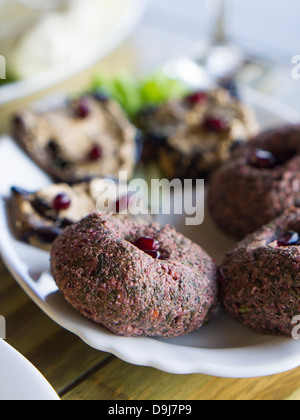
[[134, 94]]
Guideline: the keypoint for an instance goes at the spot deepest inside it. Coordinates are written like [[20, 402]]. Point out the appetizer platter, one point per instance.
[[148, 290]]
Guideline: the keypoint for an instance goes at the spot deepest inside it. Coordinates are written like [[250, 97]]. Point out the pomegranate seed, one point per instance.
[[95, 153], [215, 124], [154, 254], [197, 98], [122, 204], [147, 244], [289, 239], [83, 108], [263, 159], [150, 246], [61, 202]]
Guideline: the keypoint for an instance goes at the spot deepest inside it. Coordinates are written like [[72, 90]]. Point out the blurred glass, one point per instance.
[[218, 12], [214, 60], [222, 58]]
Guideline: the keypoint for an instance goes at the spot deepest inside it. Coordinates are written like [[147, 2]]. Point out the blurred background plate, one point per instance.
[[118, 24], [20, 380]]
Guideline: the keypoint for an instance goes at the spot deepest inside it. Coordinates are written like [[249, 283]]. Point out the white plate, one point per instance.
[[20, 380], [223, 348], [122, 28]]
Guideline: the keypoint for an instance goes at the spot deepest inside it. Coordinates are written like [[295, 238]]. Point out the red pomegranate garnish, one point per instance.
[[154, 254], [61, 202], [215, 124], [148, 245], [83, 108], [263, 159], [289, 239], [122, 203], [197, 98], [95, 153]]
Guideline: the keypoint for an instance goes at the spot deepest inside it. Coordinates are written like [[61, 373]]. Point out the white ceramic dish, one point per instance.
[[20, 380], [122, 28], [223, 348]]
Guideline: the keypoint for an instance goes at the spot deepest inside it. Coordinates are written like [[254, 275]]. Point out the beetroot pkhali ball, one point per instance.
[[103, 269], [260, 285], [259, 182]]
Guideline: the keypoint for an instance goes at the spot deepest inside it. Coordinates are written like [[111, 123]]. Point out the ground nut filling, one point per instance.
[[39, 217], [198, 133], [108, 279], [79, 140]]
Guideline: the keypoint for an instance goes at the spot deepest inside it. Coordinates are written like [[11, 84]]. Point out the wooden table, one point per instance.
[[78, 372]]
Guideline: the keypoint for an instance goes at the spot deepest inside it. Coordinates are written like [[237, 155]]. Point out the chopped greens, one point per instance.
[[133, 94]]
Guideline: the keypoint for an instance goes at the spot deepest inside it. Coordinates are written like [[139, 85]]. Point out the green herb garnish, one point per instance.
[[134, 94]]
